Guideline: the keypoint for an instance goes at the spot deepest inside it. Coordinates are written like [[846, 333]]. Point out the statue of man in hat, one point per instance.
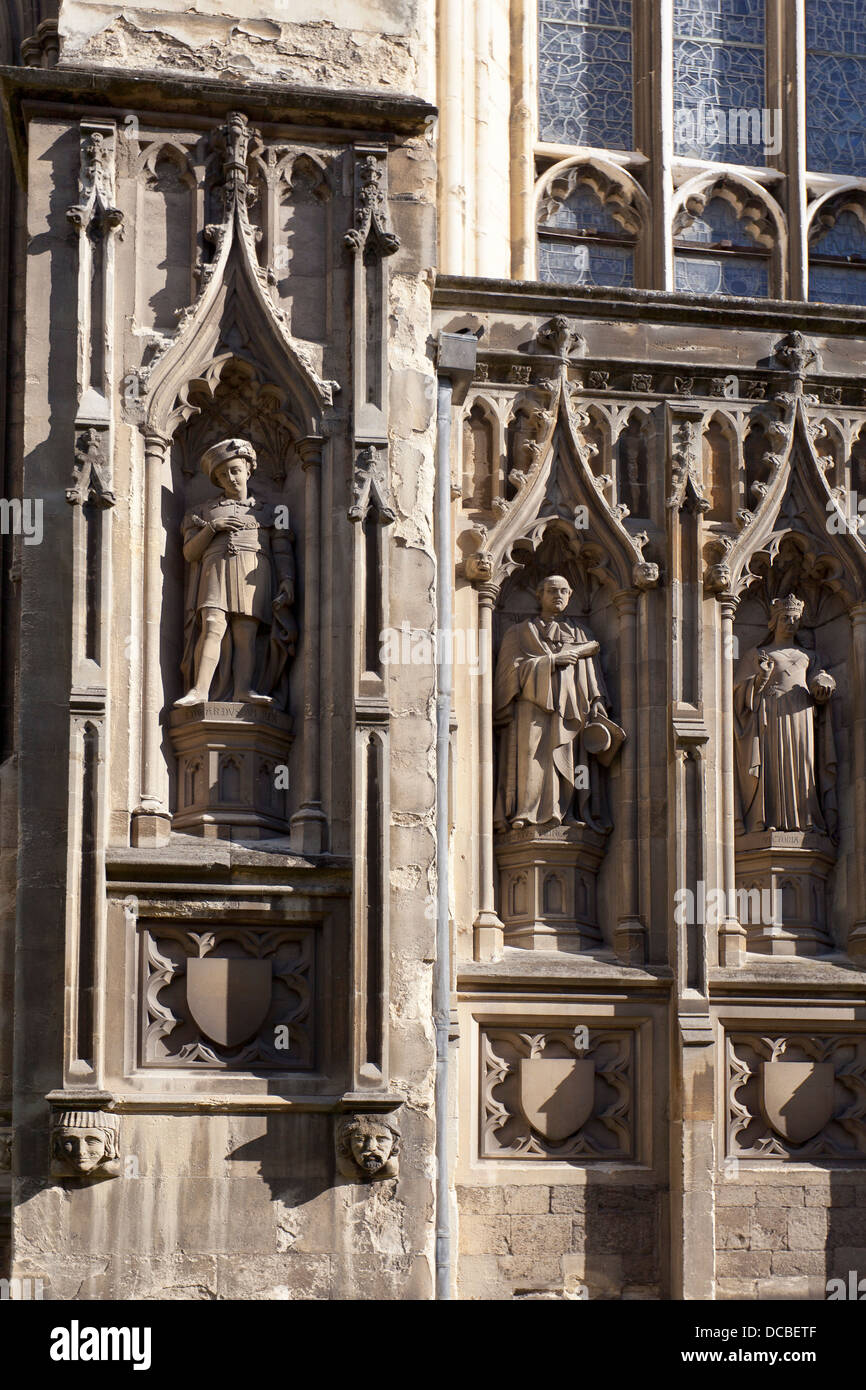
[[550, 705], [785, 751], [241, 585]]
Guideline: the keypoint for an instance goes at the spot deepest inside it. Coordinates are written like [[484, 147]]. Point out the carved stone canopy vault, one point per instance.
[[235, 308], [559, 496], [799, 535]]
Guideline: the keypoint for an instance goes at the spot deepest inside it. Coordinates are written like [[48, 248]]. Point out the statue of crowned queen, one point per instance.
[[787, 817], [230, 728]]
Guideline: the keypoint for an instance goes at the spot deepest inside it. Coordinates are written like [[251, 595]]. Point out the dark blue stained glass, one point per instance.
[[836, 26], [719, 82], [582, 211], [836, 86], [613, 12], [717, 223], [847, 237], [743, 276], [837, 284], [728, 21], [585, 73], [576, 263]]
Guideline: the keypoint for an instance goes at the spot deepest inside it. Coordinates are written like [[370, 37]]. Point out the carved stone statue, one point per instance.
[[240, 587], [85, 1144], [550, 704], [368, 1147], [786, 758]]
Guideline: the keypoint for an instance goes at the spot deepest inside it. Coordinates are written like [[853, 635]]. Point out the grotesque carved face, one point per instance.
[[82, 1149], [371, 1147], [233, 476]]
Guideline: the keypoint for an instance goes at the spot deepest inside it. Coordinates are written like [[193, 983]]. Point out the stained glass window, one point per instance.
[[585, 73], [717, 255], [837, 262], [836, 86], [580, 243], [719, 82]]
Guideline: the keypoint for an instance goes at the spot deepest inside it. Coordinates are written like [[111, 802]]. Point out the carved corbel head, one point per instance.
[[368, 1147], [85, 1144]]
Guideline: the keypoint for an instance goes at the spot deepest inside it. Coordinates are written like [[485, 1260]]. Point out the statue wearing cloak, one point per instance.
[[549, 703], [785, 752]]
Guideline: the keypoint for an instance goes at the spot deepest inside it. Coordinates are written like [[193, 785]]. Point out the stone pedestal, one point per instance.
[[547, 886], [784, 873], [229, 780]]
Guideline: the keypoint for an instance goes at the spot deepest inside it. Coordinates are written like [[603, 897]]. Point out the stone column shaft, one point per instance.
[[308, 822]]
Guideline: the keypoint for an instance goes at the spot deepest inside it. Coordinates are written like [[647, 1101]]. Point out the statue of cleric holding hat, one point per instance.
[[550, 706], [239, 627]]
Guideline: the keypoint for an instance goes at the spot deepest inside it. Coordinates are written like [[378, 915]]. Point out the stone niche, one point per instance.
[[556, 739], [231, 672], [793, 758]]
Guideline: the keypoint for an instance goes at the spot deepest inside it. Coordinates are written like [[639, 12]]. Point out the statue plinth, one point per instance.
[[232, 770], [547, 881], [784, 873]]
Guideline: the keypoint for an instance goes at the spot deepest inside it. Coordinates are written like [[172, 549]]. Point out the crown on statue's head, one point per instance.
[[790, 605]]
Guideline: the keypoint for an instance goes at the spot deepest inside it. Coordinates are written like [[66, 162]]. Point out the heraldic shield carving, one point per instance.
[[557, 1095], [797, 1098], [228, 998]]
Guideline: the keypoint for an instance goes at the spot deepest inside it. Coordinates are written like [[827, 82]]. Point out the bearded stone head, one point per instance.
[[367, 1147]]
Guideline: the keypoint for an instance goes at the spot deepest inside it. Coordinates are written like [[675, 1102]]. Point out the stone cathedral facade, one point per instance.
[[433, 648]]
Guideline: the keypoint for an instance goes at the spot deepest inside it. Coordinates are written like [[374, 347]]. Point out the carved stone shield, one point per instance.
[[797, 1098], [229, 999], [557, 1094]]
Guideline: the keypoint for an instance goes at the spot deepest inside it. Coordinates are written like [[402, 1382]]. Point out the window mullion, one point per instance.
[[790, 32]]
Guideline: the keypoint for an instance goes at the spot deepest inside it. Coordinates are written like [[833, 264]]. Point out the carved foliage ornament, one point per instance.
[[371, 211], [234, 240], [797, 1097], [558, 1093], [96, 212], [229, 998], [370, 486], [91, 473]]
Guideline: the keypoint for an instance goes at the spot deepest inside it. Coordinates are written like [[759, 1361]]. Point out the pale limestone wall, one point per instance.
[[244, 1205], [784, 1234], [367, 45], [587, 1241]]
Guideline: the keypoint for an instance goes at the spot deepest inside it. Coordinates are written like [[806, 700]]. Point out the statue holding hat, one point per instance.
[[785, 751], [239, 625], [551, 710]]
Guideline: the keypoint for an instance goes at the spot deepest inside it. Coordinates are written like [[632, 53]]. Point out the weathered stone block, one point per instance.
[[485, 1235], [743, 1264], [477, 1200], [807, 1229], [797, 1287], [526, 1200], [769, 1228], [796, 1262], [769, 1195], [733, 1226], [540, 1235]]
